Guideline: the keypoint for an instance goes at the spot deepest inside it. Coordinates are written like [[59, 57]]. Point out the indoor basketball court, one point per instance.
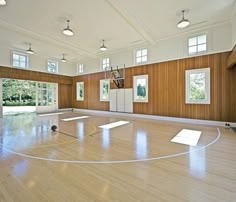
[[119, 101], [102, 139], [111, 155]]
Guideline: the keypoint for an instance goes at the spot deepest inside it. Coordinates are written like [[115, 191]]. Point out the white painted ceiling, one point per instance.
[[121, 23]]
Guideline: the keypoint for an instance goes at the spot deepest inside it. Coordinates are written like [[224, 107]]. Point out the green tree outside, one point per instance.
[[18, 92]]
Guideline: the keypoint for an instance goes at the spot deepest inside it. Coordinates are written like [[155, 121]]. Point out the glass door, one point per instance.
[[46, 97]]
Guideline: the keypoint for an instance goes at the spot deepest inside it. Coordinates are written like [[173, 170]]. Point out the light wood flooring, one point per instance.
[[133, 162]]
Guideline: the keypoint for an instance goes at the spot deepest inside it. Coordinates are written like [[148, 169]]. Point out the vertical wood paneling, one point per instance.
[[15, 73], [91, 92], [64, 96], [167, 89]]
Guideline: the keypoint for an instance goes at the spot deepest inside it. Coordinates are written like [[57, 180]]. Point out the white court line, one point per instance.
[[75, 118], [51, 114], [119, 161], [188, 137], [113, 125]]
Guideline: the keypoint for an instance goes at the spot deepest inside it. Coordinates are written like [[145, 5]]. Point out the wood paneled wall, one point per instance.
[[16, 73], [232, 58], [91, 92], [64, 82], [167, 89], [65, 96]]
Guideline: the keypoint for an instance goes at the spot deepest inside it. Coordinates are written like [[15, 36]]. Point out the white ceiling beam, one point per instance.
[[131, 21]]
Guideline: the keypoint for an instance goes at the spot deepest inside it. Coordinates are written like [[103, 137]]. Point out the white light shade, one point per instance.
[[3, 2], [67, 31], [103, 48], [30, 51], [183, 23]]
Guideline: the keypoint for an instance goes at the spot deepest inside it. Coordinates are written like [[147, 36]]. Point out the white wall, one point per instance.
[[234, 29], [36, 63], [90, 65], [219, 40]]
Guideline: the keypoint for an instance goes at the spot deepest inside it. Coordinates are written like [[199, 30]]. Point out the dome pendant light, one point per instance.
[[30, 51], [3, 2], [183, 23], [63, 58], [103, 47], [67, 31]]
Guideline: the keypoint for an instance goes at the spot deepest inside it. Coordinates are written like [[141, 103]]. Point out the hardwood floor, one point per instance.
[[133, 162]]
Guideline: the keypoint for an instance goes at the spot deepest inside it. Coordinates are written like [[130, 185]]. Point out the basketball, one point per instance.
[[54, 128]]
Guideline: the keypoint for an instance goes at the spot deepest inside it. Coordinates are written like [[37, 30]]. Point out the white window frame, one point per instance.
[[20, 54], [80, 68], [141, 57], [79, 86], [198, 44], [56, 66], [102, 92], [105, 63], [188, 73], [135, 79]]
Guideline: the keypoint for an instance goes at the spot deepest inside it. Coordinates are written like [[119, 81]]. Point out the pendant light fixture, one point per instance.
[[63, 58], [183, 22], [3, 2], [67, 31], [30, 51], [103, 47]]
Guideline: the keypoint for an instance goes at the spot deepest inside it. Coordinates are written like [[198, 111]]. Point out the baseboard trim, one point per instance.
[[65, 109], [160, 118]]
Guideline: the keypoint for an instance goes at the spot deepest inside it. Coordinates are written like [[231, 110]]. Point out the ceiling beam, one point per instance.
[[130, 20]]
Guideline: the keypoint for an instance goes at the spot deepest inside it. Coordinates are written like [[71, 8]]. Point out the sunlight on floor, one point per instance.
[[75, 118], [113, 125], [188, 137]]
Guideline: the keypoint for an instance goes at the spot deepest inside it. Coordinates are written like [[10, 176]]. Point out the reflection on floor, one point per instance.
[[75, 118], [51, 114], [188, 137], [113, 125]]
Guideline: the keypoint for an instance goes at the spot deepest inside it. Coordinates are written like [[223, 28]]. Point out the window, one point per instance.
[[104, 90], [140, 84], [141, 56], [20, 60], [80, 91], [197, 44], [105, 63], [197, 84], [80, 68], [52, 66]]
